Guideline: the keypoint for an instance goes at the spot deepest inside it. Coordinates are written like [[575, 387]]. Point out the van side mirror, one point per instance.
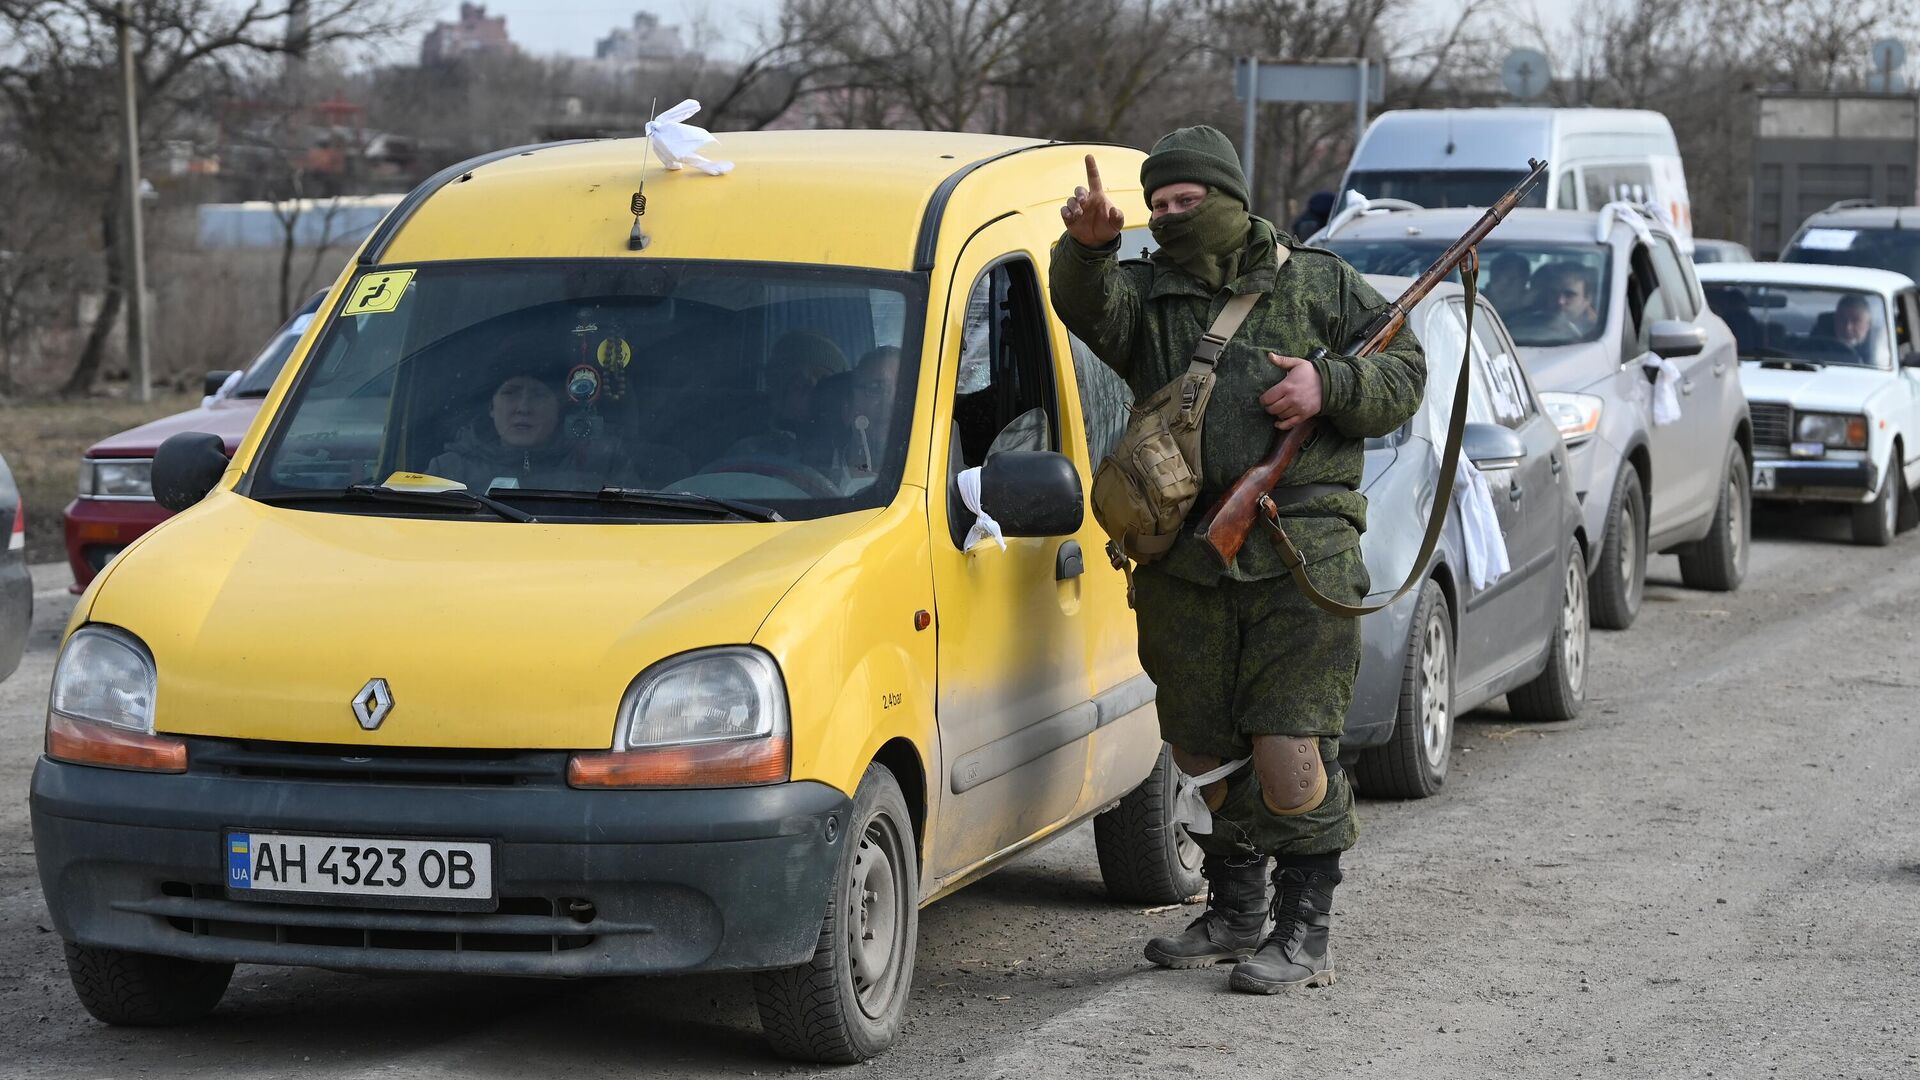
[[215, 380], [1674, 338], [186, 467], [1032, 493], [1491, 447]]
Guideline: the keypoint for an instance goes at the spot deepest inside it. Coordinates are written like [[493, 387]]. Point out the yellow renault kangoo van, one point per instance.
[[600, 594]]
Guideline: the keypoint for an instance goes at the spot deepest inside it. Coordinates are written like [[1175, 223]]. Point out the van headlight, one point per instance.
[[709, 718], [100, 711], [1576, 415], [116, 479]]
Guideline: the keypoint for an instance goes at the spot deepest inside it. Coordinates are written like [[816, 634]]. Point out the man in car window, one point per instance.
[[1563, 290], [1248, 669], [1507, 283], [795, 365], [1853, 326]]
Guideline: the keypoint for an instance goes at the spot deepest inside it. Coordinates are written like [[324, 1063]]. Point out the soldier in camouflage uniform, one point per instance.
[[1246, 666]]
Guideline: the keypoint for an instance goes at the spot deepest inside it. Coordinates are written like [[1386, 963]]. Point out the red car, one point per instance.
[[115, 505]]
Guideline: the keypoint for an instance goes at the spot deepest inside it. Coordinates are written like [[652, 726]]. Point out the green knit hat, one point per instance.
[[1198, 155]]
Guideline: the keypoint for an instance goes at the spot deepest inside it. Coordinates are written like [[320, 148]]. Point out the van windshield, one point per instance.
[[1897, 250], [1547, 294], [1795, 322], [549, 384], [1437, 188]]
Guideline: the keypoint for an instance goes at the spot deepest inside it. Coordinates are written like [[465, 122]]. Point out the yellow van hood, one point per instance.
[[265, 622]]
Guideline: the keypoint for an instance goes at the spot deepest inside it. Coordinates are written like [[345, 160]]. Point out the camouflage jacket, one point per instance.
[[1143, 317]]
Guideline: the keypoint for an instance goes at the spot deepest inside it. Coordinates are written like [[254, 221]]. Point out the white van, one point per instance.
[[1470, 157]]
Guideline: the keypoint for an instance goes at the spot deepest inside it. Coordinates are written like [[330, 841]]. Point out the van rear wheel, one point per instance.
[[845, 1005], [1145, 856], [132, 989]]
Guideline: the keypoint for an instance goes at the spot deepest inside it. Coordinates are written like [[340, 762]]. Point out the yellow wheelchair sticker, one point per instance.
[[377, 292]]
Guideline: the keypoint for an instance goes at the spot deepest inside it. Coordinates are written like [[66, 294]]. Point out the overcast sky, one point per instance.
[[545, 27]]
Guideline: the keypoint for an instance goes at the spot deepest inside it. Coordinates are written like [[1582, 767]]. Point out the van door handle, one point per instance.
[[1068, 562]]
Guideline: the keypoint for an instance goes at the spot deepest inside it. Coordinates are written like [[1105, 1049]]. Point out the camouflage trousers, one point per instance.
[[1242, 658]]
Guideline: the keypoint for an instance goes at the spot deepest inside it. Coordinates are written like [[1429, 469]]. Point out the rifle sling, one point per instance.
[[1449, 463]]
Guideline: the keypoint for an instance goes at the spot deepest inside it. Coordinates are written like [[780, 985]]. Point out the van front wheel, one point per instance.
[[845, 1005], [133, 989]]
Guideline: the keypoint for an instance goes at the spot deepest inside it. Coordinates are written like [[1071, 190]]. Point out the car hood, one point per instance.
[[265, 622], [228, 418], [1833, 388], [1570, 368]]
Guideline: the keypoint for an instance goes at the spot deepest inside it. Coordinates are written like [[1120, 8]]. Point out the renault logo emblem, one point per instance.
[[372, 704]]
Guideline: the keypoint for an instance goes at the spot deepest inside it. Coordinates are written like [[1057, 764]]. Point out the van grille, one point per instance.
[[1772, 425], [377, 764], [523, 924]]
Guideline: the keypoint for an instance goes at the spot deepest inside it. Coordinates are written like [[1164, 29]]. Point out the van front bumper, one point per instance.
[[590, 882]]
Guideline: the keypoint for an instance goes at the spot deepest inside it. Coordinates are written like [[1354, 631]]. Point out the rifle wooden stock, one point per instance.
[[1227, 523]]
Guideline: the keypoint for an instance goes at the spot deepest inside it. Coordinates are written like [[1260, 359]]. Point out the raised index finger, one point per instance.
[[1093, 176]]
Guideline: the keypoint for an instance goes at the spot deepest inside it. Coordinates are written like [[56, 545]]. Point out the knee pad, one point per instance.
[[1293, 779]]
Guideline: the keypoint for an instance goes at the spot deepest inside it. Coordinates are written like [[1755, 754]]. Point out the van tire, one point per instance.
[[1145, 858], [131, 989], [818, 1011], [1615, 590], [1718, 562]]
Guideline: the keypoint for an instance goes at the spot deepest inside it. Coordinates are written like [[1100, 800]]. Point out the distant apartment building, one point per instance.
[[645, 41], [476, 32]]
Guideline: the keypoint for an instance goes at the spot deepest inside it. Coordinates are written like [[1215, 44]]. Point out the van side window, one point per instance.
[[1627, 182], [1105, 401], [1005, 397], [1569, 196], [1674, 286]]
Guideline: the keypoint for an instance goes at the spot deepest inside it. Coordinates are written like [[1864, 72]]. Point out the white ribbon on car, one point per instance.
[[1666, 388], [984, 527], [678, 143], [232, 380], [1189, 806], [1480, 527]]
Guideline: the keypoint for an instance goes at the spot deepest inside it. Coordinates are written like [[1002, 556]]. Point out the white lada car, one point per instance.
[[1830, 361]]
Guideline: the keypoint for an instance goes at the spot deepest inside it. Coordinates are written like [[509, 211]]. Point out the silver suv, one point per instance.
[[1593, 300]]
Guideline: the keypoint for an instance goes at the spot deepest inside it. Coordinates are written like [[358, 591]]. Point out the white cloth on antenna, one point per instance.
[[1666, 388], [1480, 526], [678, 144], [984, 527], [1621, 211], [1189, 807]]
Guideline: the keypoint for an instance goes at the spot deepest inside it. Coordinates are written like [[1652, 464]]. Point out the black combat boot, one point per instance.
[[1296, 952], [1230, 927]]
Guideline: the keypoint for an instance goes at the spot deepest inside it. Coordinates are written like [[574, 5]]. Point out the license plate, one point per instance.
[[1763, 478], [369, 869]]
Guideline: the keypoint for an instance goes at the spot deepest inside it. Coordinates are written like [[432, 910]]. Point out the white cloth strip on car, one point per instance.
[[678, 143], [984, 527], [1666, 388], [1486, 545]]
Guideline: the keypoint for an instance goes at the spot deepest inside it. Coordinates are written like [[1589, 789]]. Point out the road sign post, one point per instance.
[[1353, 81]]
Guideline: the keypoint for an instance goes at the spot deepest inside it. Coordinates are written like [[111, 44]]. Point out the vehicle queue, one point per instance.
[[1622, 403]]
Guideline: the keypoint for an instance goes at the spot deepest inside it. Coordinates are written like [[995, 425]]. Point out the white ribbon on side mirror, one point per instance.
[[678, 144], [1480, 526], [226, 385], [1666, 388], [1189, 807], [984, 527]]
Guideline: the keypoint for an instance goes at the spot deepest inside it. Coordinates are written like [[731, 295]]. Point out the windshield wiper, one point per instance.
[[665, 500], [451, 499]]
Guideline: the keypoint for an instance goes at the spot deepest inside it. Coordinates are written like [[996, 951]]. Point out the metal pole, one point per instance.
[[1253, 108], [136, 272], [1360, 106]]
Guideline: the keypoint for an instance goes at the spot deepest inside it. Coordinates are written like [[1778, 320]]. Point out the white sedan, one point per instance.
[[1830, 361]]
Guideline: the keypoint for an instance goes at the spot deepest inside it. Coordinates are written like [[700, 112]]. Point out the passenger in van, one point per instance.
[[1563, 291], [1508, 281], [522, 441], [797, 363], [875, 382]]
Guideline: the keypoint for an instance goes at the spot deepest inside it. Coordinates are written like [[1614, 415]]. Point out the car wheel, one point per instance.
[[1557, 692], [1145, 858], [1875, 523], [1719, 561], [1412, 764], [1909, 509], [1616, 587], [142, 990], [845, 1004]]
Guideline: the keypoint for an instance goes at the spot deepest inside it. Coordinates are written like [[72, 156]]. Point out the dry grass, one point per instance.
[[42, 442]]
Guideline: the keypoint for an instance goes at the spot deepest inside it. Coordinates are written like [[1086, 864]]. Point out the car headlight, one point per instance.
[[117, 479], [100, 711], [710, 718], [1576, 415], [1838, 431]]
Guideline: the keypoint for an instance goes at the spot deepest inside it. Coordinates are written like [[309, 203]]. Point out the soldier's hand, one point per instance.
[[1295, 399], [1091, 217]]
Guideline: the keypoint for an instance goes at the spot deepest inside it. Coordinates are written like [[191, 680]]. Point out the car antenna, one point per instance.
[[638, 240]]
